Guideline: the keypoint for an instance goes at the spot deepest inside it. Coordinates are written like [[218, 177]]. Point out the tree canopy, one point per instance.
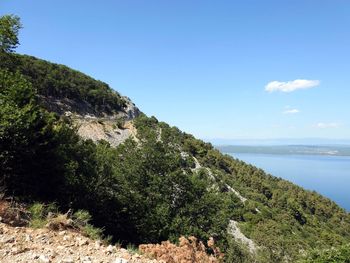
[[9, 28]]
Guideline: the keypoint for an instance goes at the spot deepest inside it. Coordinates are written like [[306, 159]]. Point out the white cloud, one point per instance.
[[290, 86], [323, 125], [291, 111]]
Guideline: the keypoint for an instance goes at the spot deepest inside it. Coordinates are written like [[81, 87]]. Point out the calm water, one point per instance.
[[328, 175]]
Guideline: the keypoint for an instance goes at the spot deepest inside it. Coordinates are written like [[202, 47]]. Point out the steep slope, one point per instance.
[[64, 89], [157, 183], [271, 213], [28, 234], [97, 111]]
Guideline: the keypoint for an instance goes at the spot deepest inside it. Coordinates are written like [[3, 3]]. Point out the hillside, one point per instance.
[[64, 89], [28, 234], [141, 180], [77, 96]]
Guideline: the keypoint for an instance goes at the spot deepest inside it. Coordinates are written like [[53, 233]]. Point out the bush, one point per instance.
[[93, 232], [132, 249], [40, 213], [81, 219]]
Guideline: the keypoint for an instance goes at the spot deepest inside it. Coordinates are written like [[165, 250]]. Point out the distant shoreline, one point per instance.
[[334, 150]]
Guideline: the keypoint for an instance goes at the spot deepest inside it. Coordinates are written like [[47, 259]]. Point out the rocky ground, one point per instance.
[[96, 129], [22, 244]]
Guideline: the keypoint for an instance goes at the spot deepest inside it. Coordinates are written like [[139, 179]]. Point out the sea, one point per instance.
[[326, 174]]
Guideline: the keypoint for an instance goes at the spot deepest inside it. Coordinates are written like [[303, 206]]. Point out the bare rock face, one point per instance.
[[61, 106], [239, 236], [131, 110], [114, 127], [82, 108], [98, 129]]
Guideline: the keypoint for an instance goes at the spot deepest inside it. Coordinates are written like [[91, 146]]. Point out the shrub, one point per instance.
[[81, 220], [132, 248], [40, 213], [92, 232]]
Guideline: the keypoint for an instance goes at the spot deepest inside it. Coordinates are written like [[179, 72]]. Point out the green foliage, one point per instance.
[[132, 249], [81, 217], [16, 89], [38, 217], [333, 255], [238, 253], [92, 232], [39, 213], [54, 81], [9, 28], [26, 152], [290, 219]]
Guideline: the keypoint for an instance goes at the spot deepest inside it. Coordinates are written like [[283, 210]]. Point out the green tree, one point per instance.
[[9, 28], [27, 139]]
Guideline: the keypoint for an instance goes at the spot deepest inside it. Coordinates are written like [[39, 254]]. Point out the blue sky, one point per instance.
[[204, 66]]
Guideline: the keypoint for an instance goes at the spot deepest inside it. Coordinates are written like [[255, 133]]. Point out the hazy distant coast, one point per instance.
[[330, 150]]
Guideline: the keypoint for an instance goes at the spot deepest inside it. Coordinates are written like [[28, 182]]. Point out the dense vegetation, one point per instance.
[[333, 255], [149, 188], [138, 194], [290, 220], [63, 83]]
